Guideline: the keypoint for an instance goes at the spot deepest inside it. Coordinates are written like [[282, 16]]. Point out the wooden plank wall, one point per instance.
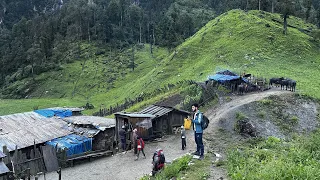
[[24, 166]]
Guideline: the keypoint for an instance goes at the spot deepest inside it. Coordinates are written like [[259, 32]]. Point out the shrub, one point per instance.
[[294, 119], [240, 116], [266, 102], [262, 114]]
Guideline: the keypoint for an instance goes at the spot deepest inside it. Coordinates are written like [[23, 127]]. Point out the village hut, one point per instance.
[[166, 118], [152, 122], [100, 129], [23, 134], [140, 121], [23, 130], [228, 79]]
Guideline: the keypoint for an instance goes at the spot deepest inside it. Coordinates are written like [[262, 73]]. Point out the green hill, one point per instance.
[[250, 42]]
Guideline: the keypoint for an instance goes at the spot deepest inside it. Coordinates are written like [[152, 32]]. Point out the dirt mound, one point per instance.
[[269, 113], [278, 116]]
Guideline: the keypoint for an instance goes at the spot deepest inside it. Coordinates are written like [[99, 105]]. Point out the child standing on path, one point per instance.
[[183, 138], [140, 147]]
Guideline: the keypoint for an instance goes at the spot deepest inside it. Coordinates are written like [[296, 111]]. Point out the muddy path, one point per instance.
[[122, 166]]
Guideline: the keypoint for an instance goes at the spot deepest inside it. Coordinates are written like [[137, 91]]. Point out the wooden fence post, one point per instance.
[[59, 172]]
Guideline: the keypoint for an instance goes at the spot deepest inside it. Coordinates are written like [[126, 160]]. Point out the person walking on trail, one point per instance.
[[140, 147], [198, 131], [134, 140], [123, 136], [183, 138]]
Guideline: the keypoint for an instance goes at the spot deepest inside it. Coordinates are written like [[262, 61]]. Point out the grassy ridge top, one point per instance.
[[250, 42]]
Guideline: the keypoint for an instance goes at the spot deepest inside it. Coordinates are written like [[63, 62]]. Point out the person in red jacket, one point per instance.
[[140, 147]]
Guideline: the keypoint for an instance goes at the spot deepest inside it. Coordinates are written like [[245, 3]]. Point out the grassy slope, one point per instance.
[[235, 40], [226, 41]]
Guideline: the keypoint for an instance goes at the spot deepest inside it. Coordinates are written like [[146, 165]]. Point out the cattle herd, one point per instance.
[[285, 83]]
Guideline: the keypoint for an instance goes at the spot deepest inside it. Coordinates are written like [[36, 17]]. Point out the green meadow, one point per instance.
[[250, 42]]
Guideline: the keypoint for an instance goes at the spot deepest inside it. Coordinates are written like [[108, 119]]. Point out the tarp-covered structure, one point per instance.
[[226, 76], [22, 130], [54, 112], [74, 144]]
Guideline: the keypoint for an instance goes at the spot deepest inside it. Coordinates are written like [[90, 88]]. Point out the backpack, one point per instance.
[[205, 122], [158, 157]]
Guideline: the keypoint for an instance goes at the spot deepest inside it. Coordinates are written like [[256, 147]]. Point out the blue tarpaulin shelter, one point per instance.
[[225, 76], [74, 144], [222, 78], [53, 112]]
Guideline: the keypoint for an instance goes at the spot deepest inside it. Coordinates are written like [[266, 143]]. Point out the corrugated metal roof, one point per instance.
[[23, 129], [156, 110], [136, 115], [93, 120], [3, 168]]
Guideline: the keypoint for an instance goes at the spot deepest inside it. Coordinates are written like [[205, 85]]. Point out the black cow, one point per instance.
[[284, 83], [293, 84], [275, 81], [289, 84]]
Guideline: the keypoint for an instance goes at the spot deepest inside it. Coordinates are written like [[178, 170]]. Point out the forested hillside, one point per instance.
[[38, 36]]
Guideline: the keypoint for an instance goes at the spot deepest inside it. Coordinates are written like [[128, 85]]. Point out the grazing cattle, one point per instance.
[[292, 85], [275, 81], [289, 84], [284, 83]]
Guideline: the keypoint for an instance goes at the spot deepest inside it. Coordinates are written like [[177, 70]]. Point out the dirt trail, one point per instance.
[[215, 114], [212, 140], [123, 166]]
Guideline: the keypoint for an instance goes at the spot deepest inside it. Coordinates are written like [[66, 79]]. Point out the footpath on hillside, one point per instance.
[[211, 137], [122, 166]]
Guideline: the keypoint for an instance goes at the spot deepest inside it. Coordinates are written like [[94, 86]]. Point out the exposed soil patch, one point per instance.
[[171, 101]]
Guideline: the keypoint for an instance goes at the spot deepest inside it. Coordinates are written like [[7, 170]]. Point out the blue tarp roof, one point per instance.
[[50, 113], [221, 78], [3, 168], [2, 155], [74, 143]]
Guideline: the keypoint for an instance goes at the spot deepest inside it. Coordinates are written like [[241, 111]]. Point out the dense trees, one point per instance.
[[36, 36]]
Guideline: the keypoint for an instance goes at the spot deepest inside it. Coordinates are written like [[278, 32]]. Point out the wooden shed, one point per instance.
[[101, 129], [23, 134], [153, 121], [166, 118], [143, 123]]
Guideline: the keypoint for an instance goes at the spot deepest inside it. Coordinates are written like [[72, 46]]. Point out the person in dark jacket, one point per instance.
[[123, 136], [183, 138]]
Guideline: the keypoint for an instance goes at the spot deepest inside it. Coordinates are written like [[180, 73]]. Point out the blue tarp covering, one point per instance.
[[221, 78], [74, 143], [50, 113]]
